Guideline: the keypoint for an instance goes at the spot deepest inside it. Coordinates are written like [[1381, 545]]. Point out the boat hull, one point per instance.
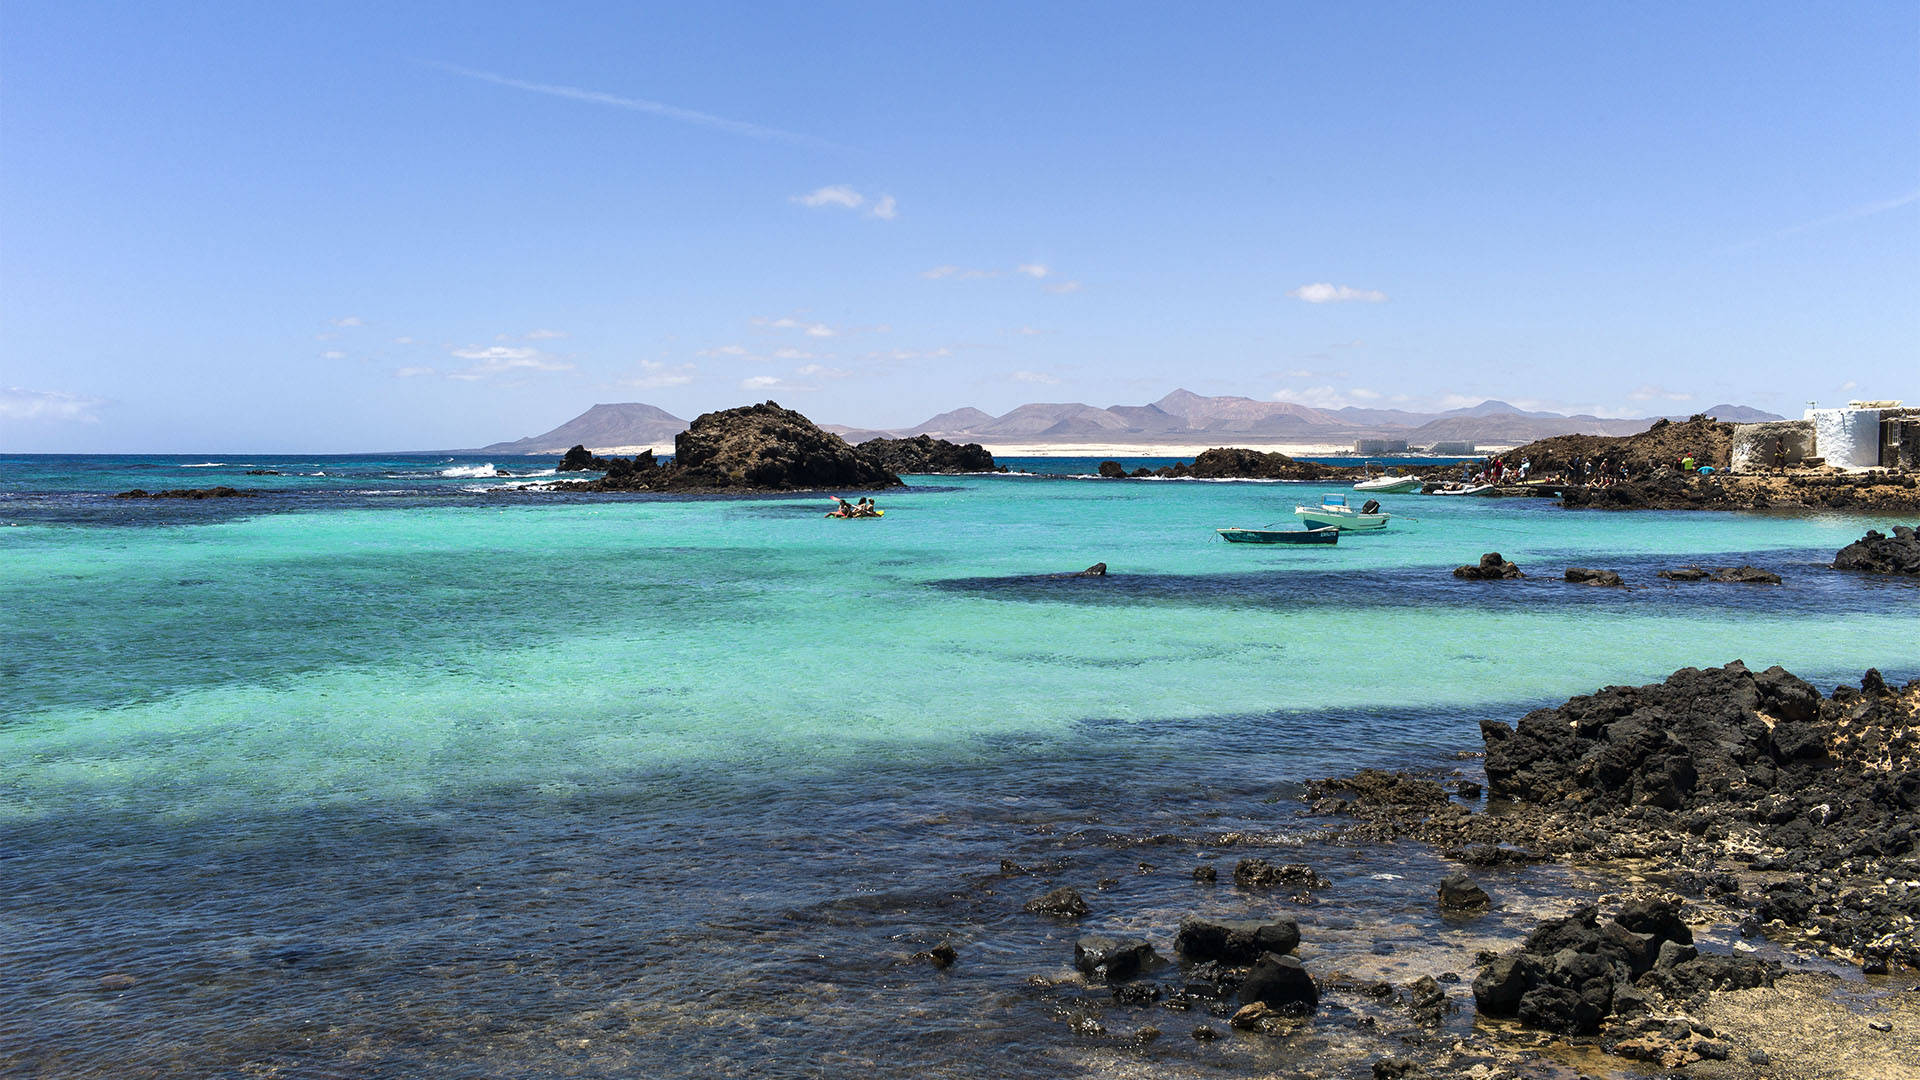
[[1322, 535], [1317, 518], [1393, 485]]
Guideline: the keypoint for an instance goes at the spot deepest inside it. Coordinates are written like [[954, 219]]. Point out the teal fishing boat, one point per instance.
[[1327, 534]]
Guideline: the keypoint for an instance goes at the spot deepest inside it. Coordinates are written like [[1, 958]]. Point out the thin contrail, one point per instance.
[[1866, 210], [656, 108]]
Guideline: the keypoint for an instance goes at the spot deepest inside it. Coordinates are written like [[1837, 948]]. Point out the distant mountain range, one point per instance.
[[1180, 417]]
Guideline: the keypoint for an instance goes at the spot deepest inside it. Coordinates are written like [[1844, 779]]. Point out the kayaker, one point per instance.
[[845, 509]]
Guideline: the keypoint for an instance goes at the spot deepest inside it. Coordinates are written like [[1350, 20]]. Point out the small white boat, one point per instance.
[[1333, 510], [1476, 489], [1393, 484], [1396, 485]]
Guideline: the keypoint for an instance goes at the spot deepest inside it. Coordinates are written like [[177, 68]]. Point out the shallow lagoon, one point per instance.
[[383, 773]]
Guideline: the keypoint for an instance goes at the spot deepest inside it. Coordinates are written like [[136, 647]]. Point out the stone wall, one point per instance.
[[1753, 444]]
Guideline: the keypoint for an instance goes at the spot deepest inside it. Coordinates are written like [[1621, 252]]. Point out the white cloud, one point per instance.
[[411, 372], [1324, 293], [1649, 393], [1034, 377], [885, 208], [348, 320], [811, 329], [504, 359], [1327, 397], [17, 403], [821, 372], [403, 341], [655, 375], [774, 382], [832, 195], [333, 354], [1849, 385], [1032, 270], [957, 273], [1031, 331], [793, 354], [543, 335], [1064, 287], [670, 112], [910, 354], [726, 350]]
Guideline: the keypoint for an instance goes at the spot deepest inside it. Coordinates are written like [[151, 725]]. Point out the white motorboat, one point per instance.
[[1333, 510], [1396, 485], [1476, 489]]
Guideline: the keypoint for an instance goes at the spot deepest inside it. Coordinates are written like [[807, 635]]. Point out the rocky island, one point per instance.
[[752, 448], [924, 454]]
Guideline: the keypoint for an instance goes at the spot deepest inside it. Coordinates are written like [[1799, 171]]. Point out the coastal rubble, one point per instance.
[[1878, 553]]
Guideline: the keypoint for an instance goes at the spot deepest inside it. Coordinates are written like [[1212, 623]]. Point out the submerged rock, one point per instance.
[[1877, 553], [1491, 568], [1748, 575], [220, 492], [1580, 575], [1260, 874], [1061, 903]]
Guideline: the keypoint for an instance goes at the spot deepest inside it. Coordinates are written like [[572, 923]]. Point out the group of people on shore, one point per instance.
[[1497, 470]]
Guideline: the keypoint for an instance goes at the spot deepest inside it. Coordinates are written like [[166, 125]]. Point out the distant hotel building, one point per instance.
[[1456, 449], [1379, 446]]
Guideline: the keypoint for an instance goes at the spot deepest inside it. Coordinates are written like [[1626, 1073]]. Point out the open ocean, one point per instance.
[[405, 768]]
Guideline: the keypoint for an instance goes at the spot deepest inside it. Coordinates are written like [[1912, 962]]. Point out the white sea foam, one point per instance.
[[205, 465], [470, 470]]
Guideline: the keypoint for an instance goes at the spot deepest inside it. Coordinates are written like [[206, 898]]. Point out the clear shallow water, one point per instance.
[[391, 769]]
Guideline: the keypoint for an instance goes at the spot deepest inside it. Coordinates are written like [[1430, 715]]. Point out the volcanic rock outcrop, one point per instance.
[[752, 448], [580, 459], [1877, 553], [926, 454], [1491, 568]]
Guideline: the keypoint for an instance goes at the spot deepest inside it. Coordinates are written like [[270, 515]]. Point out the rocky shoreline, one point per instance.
[[1732, 806]]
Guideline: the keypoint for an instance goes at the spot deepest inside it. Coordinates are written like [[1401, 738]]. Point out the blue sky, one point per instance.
[[343, 226]]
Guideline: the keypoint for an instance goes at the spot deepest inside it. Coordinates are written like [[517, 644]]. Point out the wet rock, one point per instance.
[[1115, 960], [1747, 575], [1581, 575], [1429, 1002], [117, 981], [1558, 1008], [1281, 983], [264, 472], [1256, 873], [1235, 463], [1877, 553], [1204, 1033], [1082, 1024], [1061, 903], [1491, 568], [1113, 470], [1467, 789], [1880, 1025], [1395, 1068], [1206, 875], [1459, 893], [924, 454], [1234, 941], [1250, 1017], [1136, 993], [1380, 788], [941, 956]]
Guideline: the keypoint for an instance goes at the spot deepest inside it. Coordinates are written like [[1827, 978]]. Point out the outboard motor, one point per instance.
[[1372, 506]]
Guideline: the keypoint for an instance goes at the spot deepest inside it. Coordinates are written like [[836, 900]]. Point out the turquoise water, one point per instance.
[[336, 720]]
